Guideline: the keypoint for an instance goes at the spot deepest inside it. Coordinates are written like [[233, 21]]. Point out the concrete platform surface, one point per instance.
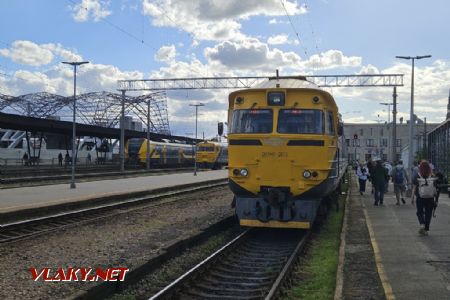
[[415, 266], [40, 196]]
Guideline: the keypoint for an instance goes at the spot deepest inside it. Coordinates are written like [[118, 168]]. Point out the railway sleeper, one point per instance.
[[224, 290], [237, 277], [233, 284]]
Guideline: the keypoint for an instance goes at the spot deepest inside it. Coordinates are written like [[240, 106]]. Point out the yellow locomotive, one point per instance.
[[212, 155], [161, 153], [286, 152]]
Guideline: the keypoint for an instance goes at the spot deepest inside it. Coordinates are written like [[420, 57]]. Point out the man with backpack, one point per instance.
[[424, 190], [400, 179]]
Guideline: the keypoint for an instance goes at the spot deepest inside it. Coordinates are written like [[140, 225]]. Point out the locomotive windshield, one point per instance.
[[306, 121], [206, 148], [252, 121]]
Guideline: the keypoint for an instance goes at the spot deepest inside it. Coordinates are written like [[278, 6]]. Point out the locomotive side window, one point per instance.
[[252, 121], [305, 121], [330, 123]]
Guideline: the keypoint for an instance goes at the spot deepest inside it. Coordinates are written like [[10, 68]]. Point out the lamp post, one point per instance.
[[389, 122], [411, 113], [195, 152], [74, 64]]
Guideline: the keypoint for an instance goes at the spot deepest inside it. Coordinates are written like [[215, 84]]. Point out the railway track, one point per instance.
[[252, 266], [14, 231]]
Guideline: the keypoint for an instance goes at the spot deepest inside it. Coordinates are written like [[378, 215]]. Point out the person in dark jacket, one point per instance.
[[379, 175]]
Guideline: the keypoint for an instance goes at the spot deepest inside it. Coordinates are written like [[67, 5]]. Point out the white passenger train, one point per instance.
[[14, 144]]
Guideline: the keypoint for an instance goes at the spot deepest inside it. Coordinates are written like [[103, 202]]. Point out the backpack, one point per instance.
[[398, 176], [426, 187]]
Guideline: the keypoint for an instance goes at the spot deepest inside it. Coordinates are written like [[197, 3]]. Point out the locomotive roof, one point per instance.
[[286, 82]]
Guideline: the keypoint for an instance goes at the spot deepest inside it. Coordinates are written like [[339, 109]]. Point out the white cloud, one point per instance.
[[214, 19], [251, 54], [332, 59], [166, 53], [28, 53], [278, 39], [86, 9]]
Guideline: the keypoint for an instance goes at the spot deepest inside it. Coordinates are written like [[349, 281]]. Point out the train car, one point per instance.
[[161, 153], [286, 152], [212, 155]]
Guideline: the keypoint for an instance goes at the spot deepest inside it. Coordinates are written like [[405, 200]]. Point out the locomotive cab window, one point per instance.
[[330, 123], [206, 148], [252, 121], [305, 121]]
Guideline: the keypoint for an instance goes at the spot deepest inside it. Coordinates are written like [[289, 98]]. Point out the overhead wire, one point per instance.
[[313, 35], [294, 29], [119, 28]]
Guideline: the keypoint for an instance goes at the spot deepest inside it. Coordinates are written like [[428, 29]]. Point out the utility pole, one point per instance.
[[122, 134], [74, 64], [148, 137], [411, 112], [394, 125], [424, 150], [195, 151]]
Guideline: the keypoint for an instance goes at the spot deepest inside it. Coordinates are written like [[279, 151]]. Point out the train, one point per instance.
[[44, 150], [165, 153], [212, 155], [286, 152]]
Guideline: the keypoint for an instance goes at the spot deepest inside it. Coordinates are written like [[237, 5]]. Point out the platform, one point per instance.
[[16, 199], [409, 265]]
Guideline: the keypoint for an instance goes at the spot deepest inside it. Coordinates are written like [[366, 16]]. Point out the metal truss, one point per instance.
[[247, 82], [39, 105], [98, 108]]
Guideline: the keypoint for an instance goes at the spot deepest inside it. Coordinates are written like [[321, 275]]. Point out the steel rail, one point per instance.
[[35, 226], [220, 276]]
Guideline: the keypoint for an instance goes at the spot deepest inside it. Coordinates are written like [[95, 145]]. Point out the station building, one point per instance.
[[368, 140]]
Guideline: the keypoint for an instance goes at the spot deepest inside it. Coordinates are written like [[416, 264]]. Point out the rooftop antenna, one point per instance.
[[278, 77]]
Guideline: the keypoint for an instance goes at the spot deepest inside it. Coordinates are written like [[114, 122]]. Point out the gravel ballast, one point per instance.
[[125, 240]]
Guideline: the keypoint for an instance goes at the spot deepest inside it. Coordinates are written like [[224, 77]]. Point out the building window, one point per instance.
[[361, 131], [371, 131], [384, 156], [383, 142], [398, 156], [347, 142], [356, 143], [398, 142], [381, 131], [370, 142]]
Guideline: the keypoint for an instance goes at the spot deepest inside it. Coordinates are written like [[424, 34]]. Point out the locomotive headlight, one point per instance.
[[236, 172], [244, 172], [306, 174]]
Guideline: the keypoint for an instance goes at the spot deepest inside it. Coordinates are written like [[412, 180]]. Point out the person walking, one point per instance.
[[25, 159], [388, 167], [362, 172], [400, 179], [424, 190], [379, 181], [60, 159]]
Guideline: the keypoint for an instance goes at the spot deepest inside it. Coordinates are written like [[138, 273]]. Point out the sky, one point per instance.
[[141, 39]]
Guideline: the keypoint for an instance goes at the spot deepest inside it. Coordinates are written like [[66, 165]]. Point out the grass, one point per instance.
[[316, 277]]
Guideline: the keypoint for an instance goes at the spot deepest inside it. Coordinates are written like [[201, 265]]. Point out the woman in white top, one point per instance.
[[362, 172]]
